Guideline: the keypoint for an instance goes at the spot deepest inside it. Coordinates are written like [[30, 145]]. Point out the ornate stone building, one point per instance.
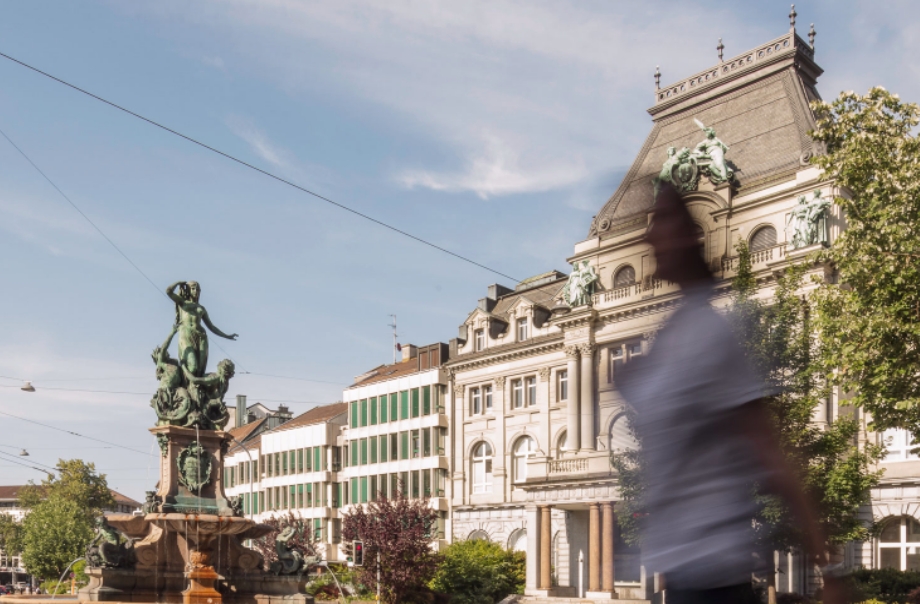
[[536, 412]]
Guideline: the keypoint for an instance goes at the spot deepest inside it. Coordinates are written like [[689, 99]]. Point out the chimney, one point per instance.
[[241, 410], [409, 351]]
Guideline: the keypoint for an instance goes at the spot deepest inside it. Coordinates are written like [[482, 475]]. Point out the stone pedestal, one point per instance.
[[191, 477], [201, 576]]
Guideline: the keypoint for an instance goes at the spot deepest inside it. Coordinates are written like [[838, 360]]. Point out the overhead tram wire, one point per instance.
[[106, 237], [257, 169], [16, 458], [71, 432], [19, 463]]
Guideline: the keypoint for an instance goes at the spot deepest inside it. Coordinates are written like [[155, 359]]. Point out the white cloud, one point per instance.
[[258, 141], [497, 168]]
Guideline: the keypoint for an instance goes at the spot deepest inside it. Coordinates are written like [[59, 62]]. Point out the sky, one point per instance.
[[494, 129]]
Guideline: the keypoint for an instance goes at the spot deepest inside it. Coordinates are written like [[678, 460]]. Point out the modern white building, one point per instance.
[[396, 437]]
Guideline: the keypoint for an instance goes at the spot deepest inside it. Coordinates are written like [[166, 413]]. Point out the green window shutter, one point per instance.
[[291, 458], [383, 448], [363, 412], [373, 446], [363, 451], [404, 404], [354, 452], [354, 490], [310, 496], [300, 460], [364, 489], [373, 403], [426, 400], [317, 459], [404, 445], [354, 414], [426, 442], [393, 407], [383, 409], [415, 408]]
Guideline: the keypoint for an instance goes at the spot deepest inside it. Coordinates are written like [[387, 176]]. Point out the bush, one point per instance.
[[479, 572], [882, 585]]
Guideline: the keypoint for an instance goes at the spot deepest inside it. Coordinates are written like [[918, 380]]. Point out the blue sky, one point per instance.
[[495, 129]]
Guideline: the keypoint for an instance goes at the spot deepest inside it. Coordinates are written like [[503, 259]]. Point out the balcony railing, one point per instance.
[[568, 466], [758, 258], [634, 291]]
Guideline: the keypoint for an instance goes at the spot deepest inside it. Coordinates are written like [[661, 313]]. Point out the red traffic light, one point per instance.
[[359, 553]]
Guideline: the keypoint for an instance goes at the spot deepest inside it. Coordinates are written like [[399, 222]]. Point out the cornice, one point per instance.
[[501, 354], [577, 318]]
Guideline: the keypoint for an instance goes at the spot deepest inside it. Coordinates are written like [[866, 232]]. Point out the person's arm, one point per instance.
[[171, 292], [214, 330], [755, 423]]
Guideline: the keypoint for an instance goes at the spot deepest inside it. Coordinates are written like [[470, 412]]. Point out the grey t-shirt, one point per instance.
[[700, 471]]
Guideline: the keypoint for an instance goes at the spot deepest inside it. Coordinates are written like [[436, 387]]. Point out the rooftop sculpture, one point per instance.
[[683, 168]]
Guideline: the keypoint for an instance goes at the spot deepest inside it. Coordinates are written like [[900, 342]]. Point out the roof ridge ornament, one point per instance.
[[657, 78], [811, 37], [792, 16], [720, 48]]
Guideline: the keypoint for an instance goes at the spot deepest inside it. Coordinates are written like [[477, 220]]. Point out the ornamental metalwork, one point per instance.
[[194, 464]]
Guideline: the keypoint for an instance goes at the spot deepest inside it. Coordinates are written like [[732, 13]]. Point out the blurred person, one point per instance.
[[706, 435]]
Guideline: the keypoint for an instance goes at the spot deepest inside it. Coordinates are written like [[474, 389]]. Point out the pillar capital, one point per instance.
[[571, 351], [587, 348]]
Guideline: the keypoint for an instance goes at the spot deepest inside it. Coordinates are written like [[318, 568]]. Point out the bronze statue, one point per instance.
[[193, 339], [109, 548]]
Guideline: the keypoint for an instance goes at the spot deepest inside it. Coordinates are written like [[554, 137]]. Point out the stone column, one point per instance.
[[546, 547], [594, 548], [586, 379], [573, 426], [533, 546], [608, 536]]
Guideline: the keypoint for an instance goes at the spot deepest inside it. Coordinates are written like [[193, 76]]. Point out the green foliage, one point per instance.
[[630, 468], [76, 481], [10, 534], [835, 472], [480, 572], [55, 533], [869, 328], [886, 585]]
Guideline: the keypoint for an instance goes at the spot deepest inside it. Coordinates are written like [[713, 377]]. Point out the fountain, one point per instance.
[[188, 545]]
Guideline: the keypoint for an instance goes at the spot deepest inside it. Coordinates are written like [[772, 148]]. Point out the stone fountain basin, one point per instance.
[[198, 524]]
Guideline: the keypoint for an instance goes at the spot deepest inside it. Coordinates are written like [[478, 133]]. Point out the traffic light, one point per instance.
[[349, 551], [359, 553]]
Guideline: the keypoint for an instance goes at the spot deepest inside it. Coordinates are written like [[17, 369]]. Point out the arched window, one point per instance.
[[898, 445], [478, 535], [763, 238], [562, 445], [523, 450], [518, 541], [621, 437], [625, 276], [899, 544], [482, 468]]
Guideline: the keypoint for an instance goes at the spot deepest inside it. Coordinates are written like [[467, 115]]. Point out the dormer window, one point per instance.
[[522, 330], [479, 339]]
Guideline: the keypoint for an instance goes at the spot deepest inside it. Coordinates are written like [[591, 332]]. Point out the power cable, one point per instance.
[[15, 457], [257, 399], [27, 465], [71, 432], [287, 377], [104, 236], [257, 169]]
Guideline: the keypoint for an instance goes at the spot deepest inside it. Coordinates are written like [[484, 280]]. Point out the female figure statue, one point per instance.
[[193, 339], [171, 402]]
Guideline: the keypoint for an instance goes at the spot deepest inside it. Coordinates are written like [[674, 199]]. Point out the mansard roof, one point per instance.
[[758, 104]]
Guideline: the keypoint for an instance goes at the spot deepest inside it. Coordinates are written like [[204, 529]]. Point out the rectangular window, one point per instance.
[[517, 393], [404, 404], [404, 445], [563, 384], [394, 446], [292, 461], [404, 483], [475, 401], [530, 387], [426, 483], [383, 409], [383, 447], [363, 451], [441, 482], [363, 412], [426, 400], [416, 445], [299, 460], [353, 445], [393, 407], [620, 355], [364, 489], [354, 490], [442, 440], [373, 447], [375, 494], [426, 442], [308, 459], [318, 530], [336, 526], [277, 464], [336, 459], [521, 329], [300, 503], [354, 415], [338, 494], [415, 484], [487, 398], [310, 495], [373, 404], [395, 487], [284, 464], [479, 340], [415, 402], [317, 459]]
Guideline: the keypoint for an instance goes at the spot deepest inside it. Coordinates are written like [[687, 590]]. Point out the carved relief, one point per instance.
[[458, 389], [571, 351], [544, 374], [500, 382]]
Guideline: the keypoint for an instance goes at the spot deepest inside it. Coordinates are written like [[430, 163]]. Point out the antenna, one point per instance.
[[395, 343]]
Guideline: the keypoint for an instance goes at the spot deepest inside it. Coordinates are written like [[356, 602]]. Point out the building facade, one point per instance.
[[535, 406]]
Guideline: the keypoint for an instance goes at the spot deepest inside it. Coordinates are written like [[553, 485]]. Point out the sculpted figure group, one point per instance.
[[683, 167], [187, 396]]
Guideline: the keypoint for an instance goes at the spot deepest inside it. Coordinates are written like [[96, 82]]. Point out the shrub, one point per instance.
[[883, 585], [480, 572]]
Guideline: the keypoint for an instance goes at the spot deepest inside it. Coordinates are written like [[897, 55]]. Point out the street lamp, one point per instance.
[[27, 387]]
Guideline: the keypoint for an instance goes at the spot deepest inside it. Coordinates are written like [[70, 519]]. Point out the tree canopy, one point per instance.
[[478, 571], [870, 324], [76, 481]]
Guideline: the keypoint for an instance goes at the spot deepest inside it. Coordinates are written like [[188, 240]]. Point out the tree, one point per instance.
[[869, 326], [77, 481], [480, 572], [10, 534], [302, 540], [400, 530], [54, 534]]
